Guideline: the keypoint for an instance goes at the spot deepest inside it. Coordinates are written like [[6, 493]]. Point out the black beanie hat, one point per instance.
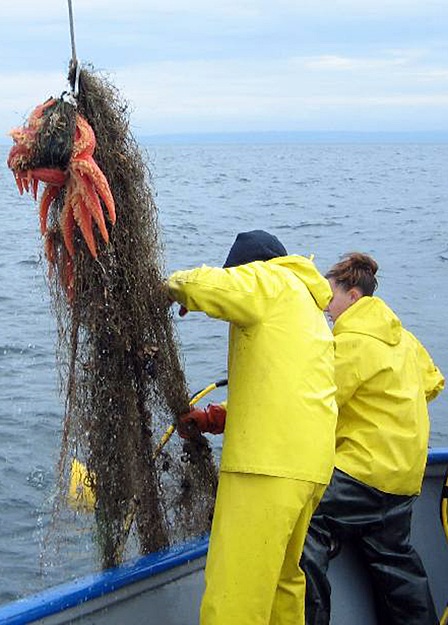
[[254, 245]]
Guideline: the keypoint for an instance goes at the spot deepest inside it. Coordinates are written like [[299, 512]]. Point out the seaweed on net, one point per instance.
[[120, 366], [54, 141]]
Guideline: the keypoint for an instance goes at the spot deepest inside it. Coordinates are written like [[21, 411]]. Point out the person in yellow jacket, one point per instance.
[[384, 379], [279, 436]]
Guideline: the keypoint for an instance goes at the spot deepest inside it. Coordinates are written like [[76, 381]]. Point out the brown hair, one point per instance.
[[355, 270]]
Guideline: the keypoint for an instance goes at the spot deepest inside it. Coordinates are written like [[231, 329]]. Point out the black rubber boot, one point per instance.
[[379, 525]]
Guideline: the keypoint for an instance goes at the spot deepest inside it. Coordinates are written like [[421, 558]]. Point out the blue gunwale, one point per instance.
[[438, 455], [72, 594]]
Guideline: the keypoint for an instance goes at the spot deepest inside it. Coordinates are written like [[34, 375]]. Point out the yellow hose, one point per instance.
[[172, 428], [444, 514], [444, 520], [444, 619], [444, 505]]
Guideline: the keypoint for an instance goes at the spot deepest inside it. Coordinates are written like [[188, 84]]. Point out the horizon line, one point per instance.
[[270, 136]]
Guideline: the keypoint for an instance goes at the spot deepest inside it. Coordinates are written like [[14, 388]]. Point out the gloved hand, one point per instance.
[[166, 289], [211, 419]]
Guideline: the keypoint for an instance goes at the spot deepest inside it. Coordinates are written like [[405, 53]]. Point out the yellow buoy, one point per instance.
[[80, 493]]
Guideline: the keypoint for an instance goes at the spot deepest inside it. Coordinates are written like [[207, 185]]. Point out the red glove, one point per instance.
[[211, 419]]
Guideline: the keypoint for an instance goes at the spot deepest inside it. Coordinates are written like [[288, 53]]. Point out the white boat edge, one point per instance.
[[166, 587]]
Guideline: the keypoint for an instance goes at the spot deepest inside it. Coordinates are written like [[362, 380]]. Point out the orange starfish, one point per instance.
[[86, 187]]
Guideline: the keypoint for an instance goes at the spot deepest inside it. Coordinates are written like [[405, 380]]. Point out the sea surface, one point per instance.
[[388, 200]]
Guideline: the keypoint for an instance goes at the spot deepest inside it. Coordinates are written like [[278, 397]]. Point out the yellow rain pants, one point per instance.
[[259, 527]]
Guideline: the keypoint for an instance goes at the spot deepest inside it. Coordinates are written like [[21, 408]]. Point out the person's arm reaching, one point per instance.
[[433, 380], [233, 295]]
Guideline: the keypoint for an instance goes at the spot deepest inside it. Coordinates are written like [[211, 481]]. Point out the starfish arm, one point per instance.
[[50, 252], [88, 167], [85, 142], [35, 187], [19, 183], [93, 204], [56, 177], [17, 155], [38, 112], [50, 193], [67, 224], [84, 220]]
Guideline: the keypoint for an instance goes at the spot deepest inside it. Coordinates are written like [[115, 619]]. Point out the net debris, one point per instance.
[[120, 368]]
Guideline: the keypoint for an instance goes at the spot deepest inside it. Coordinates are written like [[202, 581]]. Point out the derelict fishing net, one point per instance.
[[119, 362]]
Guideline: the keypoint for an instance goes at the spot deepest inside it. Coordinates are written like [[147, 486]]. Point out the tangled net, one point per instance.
[[119, 361]]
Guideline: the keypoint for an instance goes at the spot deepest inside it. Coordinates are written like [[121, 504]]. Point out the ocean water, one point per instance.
[[388, 200]]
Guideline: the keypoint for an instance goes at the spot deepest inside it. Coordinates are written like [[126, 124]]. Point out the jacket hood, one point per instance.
[[304, 268], [254, 245], [370, 316]]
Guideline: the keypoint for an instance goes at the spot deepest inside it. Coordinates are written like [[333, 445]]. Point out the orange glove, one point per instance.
[[211, 419]]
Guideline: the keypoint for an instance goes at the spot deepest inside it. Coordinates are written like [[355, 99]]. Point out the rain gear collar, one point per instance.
[[306, 271], [372, 317]]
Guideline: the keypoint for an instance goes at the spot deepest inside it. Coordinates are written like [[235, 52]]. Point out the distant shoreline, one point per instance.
[[290, 137], [319, 137]]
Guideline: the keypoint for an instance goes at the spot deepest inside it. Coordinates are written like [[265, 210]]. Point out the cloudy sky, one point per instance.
[[238, 65]]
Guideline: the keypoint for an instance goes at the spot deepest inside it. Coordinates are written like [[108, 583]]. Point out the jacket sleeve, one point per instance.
[[233, 294], [348, 357], [432, 377]]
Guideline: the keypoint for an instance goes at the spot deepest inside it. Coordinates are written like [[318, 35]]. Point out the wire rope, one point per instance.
[[74, 61], [72, 32]]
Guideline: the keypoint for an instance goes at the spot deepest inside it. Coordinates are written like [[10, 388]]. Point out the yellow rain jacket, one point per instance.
[[281, 411], [384, 378]]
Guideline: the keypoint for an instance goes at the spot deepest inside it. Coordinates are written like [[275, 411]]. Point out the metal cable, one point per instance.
[[74, 61], [72, 32]]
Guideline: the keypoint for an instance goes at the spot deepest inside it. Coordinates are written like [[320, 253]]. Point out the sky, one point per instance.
[[197, 66]]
